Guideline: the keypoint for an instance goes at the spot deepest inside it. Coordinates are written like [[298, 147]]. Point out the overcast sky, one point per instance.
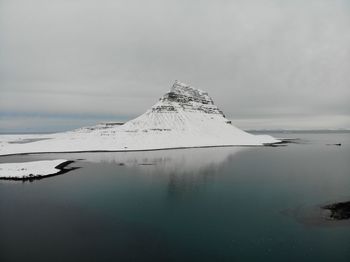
[[266, 63]]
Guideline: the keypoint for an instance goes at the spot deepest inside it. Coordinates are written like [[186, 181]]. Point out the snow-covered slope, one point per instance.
[[184, 117], [30, 170]]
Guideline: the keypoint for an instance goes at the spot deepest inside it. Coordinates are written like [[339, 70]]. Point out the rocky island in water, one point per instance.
[[184, 117]]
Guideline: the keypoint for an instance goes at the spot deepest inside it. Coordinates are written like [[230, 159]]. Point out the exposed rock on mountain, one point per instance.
[[186, 98]]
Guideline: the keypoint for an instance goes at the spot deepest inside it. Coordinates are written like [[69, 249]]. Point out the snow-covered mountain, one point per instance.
[[184, 117]]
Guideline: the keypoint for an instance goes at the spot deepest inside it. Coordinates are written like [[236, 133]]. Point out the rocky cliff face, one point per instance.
[[186, 98]]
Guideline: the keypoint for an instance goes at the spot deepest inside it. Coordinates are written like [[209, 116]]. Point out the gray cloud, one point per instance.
[[284, 62]]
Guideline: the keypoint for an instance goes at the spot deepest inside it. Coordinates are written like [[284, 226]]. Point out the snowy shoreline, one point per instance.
[[282, 142], [33, 169]]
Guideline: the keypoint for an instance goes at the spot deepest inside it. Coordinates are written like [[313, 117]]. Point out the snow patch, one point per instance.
[[31, 170]]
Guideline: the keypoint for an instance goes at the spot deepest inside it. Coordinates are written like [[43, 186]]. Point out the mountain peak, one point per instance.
[[189, 91], [179, 83], [186, 98]]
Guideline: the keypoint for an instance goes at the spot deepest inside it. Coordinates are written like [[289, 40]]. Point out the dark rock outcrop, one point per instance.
[[184, 97], [339, 211]]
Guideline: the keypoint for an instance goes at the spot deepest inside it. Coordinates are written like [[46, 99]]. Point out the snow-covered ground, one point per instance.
[[29, 170], [184, 117]]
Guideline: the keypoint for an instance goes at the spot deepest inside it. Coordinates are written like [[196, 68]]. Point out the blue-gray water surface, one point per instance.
[[209, 204]]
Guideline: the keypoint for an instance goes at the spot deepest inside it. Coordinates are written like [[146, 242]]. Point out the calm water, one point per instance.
[[218, 204]]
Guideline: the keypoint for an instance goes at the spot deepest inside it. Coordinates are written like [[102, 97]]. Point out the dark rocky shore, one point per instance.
[[329, 215], [339, 211]]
